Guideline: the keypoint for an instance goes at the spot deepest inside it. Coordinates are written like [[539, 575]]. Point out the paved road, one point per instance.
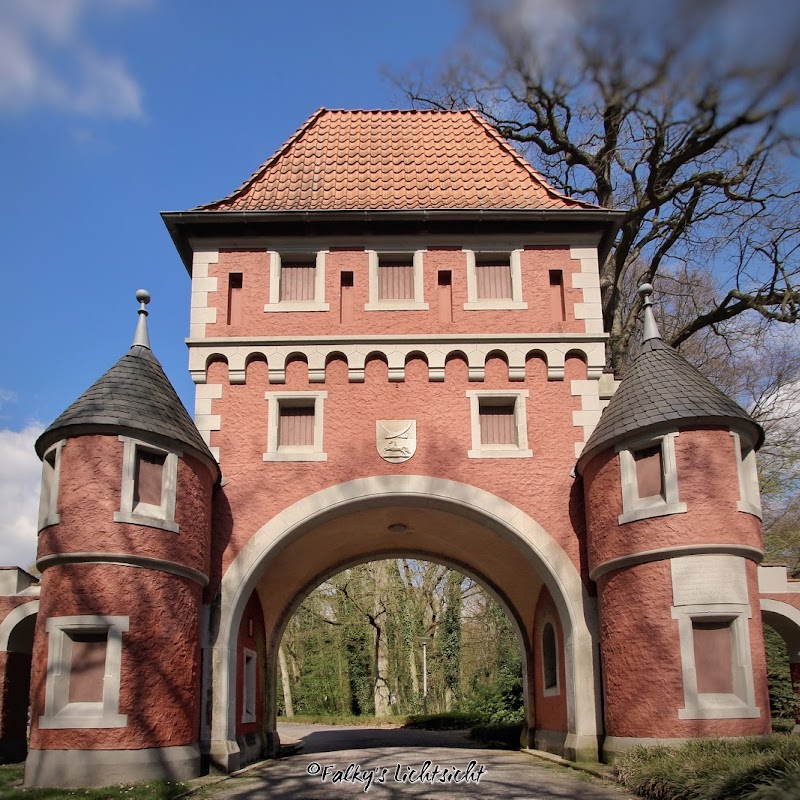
[[391, 764]]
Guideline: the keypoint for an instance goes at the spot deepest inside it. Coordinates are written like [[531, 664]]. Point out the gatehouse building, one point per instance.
[[397, 345]]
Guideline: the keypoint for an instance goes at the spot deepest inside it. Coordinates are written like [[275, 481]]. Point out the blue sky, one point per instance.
[[114, 110]]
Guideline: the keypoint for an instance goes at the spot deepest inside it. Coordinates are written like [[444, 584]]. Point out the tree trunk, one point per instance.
[[381, 684], [286, 682]]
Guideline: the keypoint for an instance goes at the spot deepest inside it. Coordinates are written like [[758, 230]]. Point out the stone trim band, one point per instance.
[[125, 560], [663, 553]]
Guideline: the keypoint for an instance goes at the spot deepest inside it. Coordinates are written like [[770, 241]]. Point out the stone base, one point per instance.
[[579, 747], [107, 767], [615, 745], [550, 741], [225, 754], [252, 747]]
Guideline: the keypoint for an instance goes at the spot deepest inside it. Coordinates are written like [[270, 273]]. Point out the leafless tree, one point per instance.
[[679, 114]]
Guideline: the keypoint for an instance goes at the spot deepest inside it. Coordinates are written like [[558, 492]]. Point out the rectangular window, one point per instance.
[[48, 498], [84, 671], [249, 686], [494, 280], [649, 479], [294, 426], [395, 281], [87, 667], [493, 276], [297, 281], [235, 283], [346, 305], [649, 471], [149, 478], [499, 424], [558, 308], [749, 490], [445, 296], [395, 278], [549, 660], [149, 485], [713, 653]]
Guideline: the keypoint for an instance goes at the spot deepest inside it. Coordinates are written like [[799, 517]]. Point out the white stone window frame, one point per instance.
[[635, 508], [519, 399], [147, 514], [749, 493], [59, 713], [48, 497], [741, 703], [418, 303], [474, 303], [553, 691], [249, 684], [313, 452], [275, 302]]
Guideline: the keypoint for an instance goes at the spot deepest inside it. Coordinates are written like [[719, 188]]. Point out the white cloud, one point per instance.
[[47, 60], [20, 473]]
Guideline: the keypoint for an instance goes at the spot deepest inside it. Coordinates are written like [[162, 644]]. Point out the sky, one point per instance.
[[112, 111]]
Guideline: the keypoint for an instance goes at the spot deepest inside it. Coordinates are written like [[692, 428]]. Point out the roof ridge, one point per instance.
[[523, 162], [268, 163]]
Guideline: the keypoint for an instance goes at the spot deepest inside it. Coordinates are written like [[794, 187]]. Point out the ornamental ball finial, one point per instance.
[[646, 289], [143, 296]]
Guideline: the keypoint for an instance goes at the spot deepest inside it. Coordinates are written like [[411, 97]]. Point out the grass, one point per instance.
[[755, 768], [428, 722], [361, 721], [11, 777]]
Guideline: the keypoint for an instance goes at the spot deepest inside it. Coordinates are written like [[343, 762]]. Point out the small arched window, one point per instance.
[[549, 660]]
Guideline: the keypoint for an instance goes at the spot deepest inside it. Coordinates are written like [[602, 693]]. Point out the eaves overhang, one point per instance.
[[185, 225]]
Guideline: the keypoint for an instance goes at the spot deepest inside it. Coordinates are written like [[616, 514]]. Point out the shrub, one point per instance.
[[714, 769], [504, 736]]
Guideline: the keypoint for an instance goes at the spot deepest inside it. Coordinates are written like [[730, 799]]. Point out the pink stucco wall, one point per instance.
[[256, 491], [708, 484], [254, 266], [89, 494], [551, 712], [256, 643], [640, 646], [160, 680]]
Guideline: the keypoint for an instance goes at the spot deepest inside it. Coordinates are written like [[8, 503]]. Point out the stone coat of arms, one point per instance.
[[396, 439]]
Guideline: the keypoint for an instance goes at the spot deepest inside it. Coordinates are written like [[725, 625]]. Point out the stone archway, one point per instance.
[[496, 540], [785, 619], [16, 646]]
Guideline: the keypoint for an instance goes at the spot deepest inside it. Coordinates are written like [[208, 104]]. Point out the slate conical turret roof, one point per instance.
[[134, 395], [660, 391]]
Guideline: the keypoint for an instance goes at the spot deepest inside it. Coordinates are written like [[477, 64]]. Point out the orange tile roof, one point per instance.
[[395, 160]]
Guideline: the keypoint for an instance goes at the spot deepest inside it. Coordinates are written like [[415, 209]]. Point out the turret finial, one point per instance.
[[141, 337], [650, 330]]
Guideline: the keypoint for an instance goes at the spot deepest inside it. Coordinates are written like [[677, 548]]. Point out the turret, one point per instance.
[[674, 537], [124, 554]]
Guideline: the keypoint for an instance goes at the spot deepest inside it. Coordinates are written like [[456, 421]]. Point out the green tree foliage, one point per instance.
[[782, 699], [474, 661]]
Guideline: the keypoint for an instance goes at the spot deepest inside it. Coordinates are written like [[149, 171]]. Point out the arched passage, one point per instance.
[[16, 646], [496, 594], [785, 619], [446, 522]]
